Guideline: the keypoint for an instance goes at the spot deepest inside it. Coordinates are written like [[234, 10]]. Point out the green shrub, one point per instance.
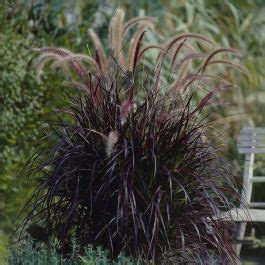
[[29, 252]]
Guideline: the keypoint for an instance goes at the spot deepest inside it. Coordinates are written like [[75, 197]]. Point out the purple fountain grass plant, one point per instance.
[[133, 171]]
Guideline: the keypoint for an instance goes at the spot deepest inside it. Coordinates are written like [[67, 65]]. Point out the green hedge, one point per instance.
[[24, 103], [20, 111]]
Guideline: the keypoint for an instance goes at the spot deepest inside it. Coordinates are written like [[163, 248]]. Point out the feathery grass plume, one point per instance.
[[99, 49], [41, 61], [138, 21], [111, 141], [135, 49], [133, 171], [117, 36]]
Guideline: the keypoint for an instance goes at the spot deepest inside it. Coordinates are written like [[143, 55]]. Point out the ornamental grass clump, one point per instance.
[[129, 166]]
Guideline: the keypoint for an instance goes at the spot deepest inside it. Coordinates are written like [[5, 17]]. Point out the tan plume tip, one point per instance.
[[79, 58], [195, 36], [135, 50], [99, 47], [138, 21], [54, 50], [218, 51], [41, 61], [111, 141], [117, 28]]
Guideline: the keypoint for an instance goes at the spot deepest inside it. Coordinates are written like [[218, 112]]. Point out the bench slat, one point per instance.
[[257, 179], [251, 142], [257, 204], [250, 137], [254, 148], [248, 150], [251, 130], [255, 145], [243, 215]]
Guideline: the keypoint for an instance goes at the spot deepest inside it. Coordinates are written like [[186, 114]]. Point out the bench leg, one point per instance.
[[240, 236]]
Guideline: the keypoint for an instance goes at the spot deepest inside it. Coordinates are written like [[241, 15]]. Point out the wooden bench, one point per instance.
[[250, 141]]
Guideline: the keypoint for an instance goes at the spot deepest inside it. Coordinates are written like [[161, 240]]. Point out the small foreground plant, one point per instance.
[[129, 166], [29, 252]]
